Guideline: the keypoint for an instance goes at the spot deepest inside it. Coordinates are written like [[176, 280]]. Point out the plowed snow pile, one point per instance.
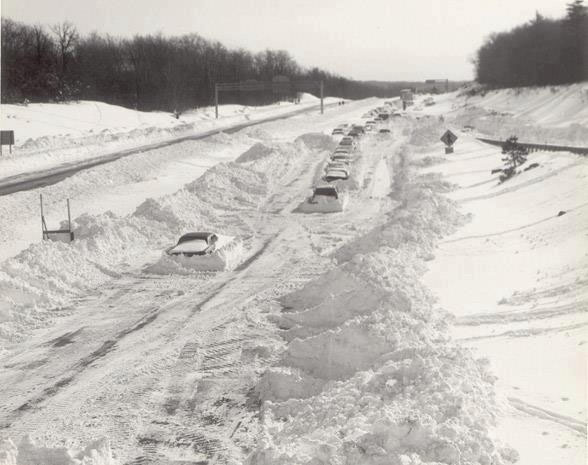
[[48, 275], [369, 375], [27, 452]]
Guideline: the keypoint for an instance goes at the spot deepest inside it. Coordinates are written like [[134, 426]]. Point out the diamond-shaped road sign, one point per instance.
[[448, 138]]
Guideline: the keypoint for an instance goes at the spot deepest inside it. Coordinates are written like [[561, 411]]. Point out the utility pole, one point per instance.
[[322, 106], [216, 100]]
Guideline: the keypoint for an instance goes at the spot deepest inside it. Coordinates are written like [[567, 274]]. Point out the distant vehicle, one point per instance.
[[396, 114], [342, 165], [336, 175], [384, 131], [195, 243], [407, 97], [345, 158], [384, 116], [347, 141], [341, 153], [337, 131]]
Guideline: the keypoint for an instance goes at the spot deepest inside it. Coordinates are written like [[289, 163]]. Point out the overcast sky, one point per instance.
[[361, 39]]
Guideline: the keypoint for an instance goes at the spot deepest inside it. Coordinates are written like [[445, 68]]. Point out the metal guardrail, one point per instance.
[[539, 147]]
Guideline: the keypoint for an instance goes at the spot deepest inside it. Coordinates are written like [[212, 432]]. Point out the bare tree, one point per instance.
[[67, 37]]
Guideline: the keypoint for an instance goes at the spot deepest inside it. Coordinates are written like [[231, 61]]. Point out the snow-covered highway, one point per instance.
[[440, 318]]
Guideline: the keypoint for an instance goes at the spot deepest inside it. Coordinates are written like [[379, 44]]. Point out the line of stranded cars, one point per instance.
[[326, 198], [204, 246]]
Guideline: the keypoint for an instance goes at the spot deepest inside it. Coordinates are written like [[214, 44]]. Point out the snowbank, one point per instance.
[[27, 452], [369, 374]]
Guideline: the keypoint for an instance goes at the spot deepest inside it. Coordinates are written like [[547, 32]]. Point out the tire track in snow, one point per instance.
[[480, 319], [544, 414], [538, 179], [106, 347], [507, 231], [527, 332]]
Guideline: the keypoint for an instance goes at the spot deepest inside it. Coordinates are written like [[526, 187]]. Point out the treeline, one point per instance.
[[149, 72], [541, 52]]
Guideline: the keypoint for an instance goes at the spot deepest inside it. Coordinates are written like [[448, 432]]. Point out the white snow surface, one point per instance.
[[27, 452], [543, 115]]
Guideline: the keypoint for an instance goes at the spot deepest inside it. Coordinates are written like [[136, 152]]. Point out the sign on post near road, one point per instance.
[[6, 138], [448, 138]]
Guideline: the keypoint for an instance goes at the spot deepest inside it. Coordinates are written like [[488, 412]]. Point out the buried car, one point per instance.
[[199, 251], [195, 243], [337, 166], [336, 174], [341, 157], [324, 199]]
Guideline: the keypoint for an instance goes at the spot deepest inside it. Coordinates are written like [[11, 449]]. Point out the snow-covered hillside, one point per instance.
[[555, 114], [440, 318]]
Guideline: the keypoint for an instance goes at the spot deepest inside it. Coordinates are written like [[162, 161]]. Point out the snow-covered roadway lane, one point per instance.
[[162, 365]]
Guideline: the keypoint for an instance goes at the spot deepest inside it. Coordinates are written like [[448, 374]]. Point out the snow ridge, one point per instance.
[[370, 375]]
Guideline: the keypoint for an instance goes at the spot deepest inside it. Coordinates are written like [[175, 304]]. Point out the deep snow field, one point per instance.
[[543, 115], [439, 319]]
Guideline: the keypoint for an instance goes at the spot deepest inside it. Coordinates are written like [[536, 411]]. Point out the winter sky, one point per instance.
[[361, 39]]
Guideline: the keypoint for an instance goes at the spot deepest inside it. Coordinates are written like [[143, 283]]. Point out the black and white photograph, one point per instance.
[[293, 232]]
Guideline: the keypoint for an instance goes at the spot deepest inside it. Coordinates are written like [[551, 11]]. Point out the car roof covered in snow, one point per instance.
[[192, 236]]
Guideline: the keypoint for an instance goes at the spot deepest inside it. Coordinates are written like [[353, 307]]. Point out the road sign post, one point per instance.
[[448, 138], [6, 138]]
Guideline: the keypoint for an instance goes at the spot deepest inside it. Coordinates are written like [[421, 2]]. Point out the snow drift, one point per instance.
[[27, 452], [369, 374]]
